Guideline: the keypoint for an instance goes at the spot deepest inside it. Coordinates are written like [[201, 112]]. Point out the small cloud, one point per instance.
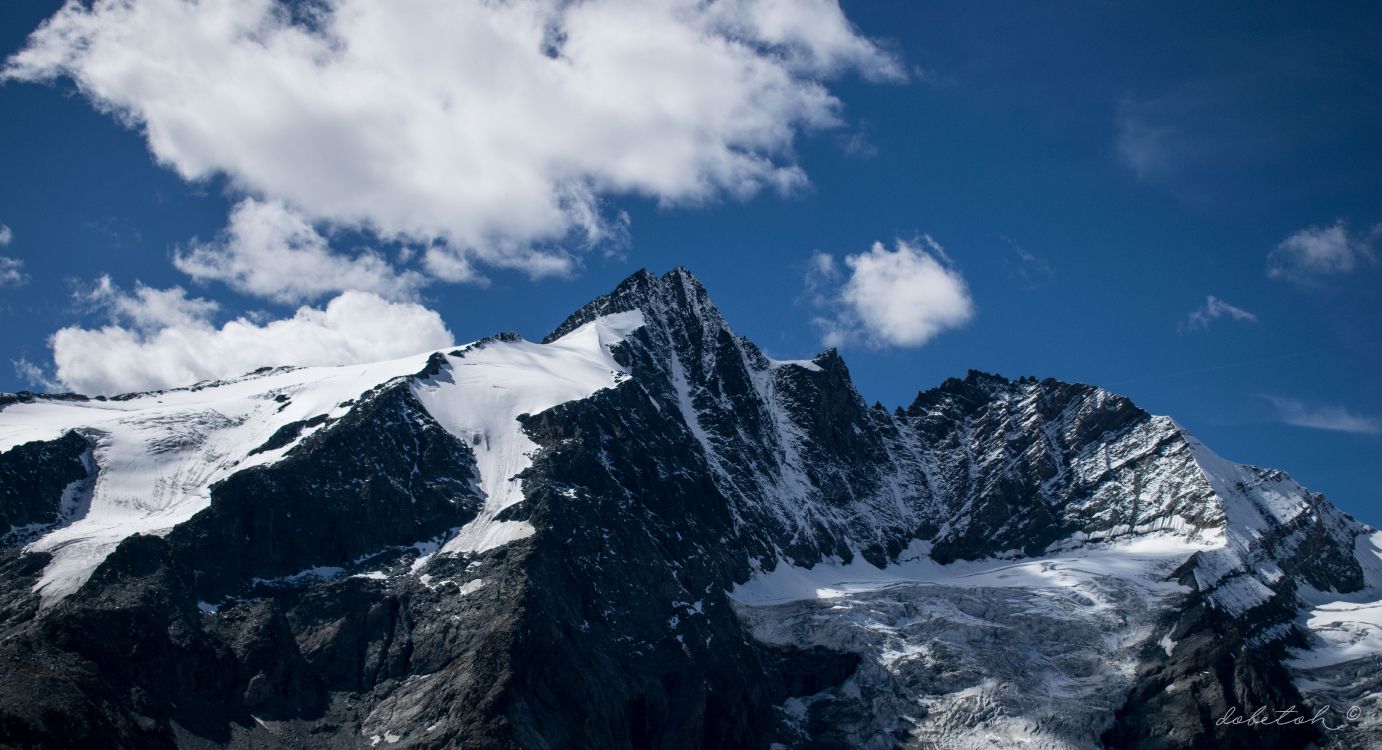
[[1333, 418], [857, 144], [6, 235], [902, 297], [1212, 310], [1315, 251], [12, 272]]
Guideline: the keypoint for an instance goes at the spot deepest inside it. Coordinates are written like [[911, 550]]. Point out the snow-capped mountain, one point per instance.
[[644, 532]]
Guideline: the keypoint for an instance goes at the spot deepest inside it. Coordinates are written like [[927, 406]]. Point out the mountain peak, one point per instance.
[[678, 291]]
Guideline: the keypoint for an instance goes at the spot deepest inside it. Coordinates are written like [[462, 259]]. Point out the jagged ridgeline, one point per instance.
[[644, 532]]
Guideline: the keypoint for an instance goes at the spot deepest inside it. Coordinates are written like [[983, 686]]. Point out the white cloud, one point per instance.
[[1214, 309], [6, 235], [268, 251], [1334, 418], [163, 339], [12, 272], [489, 133], [902, 297], [1318, 251]]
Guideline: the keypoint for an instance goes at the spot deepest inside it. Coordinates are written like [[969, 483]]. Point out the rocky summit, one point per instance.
[[644, 532]]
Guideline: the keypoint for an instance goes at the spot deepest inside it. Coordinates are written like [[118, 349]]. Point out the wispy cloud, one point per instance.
[[12, 272], [1185, 141], [858, 143], [1212, 310], [11, 269], [1148, 149], [1315, 252], [1031, 268], [1324, 417], [33, 375]]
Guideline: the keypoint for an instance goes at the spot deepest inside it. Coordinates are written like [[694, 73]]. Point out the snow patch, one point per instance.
[[470, 587], [480, 393], [804, 364]]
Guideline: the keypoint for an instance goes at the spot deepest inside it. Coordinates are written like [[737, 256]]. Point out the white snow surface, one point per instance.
[[479, 397], [157, 454], [1032, 652], [1142, 560]]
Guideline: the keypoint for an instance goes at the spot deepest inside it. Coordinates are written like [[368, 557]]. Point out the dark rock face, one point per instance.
[[1022, 493], [651, 653], [305, 607], [1215, 668], [119, 662], [37, 480], [386, 475]]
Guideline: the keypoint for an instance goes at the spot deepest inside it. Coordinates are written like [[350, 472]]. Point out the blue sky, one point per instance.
[[1087, 176]]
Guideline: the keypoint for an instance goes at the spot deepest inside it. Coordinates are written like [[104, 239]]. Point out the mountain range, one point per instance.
[[644, 532]]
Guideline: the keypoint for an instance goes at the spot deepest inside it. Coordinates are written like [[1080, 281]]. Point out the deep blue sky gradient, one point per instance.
[[1006, 137]]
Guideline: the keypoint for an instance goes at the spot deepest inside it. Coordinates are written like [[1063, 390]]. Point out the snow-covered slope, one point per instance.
[[1035, 653], [481, 391], [156, 455]]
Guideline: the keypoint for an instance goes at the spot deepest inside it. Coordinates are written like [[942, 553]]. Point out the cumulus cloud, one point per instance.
[[483, 133], [1214, 309], [12, 272], [1315, 251], [900, 297], [1333, 418], [161, 338], [6, 235], [269, 251]]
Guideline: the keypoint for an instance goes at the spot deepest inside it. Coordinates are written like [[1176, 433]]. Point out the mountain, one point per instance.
[[644, 532]]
